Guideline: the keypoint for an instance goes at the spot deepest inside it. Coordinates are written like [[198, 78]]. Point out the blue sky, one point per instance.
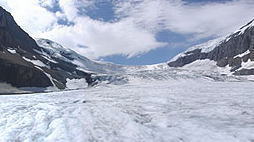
[[131, 32], [105, 11]]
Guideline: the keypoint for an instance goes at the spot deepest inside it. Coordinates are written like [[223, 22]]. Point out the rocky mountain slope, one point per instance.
[[234, 52], [22, 63]]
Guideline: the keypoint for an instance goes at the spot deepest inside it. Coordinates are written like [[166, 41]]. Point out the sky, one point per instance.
[[130, 32]]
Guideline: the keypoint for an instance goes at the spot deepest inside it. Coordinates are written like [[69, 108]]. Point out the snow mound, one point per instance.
[[76, 83]]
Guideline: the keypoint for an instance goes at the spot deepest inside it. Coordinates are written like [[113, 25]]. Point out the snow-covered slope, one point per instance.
[[204, 47]]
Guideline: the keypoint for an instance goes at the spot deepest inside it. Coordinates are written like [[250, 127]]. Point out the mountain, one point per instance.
[[54, 52], [25, 64], [41, 63], [101, 71], [233, 53]]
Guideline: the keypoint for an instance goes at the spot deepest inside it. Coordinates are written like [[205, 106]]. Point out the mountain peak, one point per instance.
[[251, 23]]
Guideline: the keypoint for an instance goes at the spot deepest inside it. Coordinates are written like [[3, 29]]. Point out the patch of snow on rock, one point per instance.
[[248, 65], [36, 62], [243, 54], [12, 51], [242, 30]]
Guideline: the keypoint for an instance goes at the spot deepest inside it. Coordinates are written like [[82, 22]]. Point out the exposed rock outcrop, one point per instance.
[[22, 76]]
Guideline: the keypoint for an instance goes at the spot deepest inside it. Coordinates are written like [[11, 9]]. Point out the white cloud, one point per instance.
[[135, 30], [200, 19], [104, 39], [30, 15], [69, 8]]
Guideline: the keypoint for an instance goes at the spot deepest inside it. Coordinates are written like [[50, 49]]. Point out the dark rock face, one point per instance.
[[232, 62], [223, 62], [16, 68], [11, 35], [22, 76], [13, 69], [244, 72], [226, 52]]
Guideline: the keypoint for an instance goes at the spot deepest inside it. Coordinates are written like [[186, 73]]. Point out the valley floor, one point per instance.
[[157, 111]]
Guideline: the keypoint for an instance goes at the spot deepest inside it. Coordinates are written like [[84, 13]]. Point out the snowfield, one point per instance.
[[174, 110]]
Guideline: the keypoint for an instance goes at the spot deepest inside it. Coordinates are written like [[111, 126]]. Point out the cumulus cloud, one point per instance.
[[30, 15], [95, 39], [138, 22], [200, 19]]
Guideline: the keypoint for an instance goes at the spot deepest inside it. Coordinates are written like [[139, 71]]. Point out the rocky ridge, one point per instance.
[[235, 51]]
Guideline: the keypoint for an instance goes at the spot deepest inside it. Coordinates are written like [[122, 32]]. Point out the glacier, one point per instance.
[[153, 106]]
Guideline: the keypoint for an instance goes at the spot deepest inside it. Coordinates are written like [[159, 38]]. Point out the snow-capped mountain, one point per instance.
[[232, 54], [24, 64], [53, 52]]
